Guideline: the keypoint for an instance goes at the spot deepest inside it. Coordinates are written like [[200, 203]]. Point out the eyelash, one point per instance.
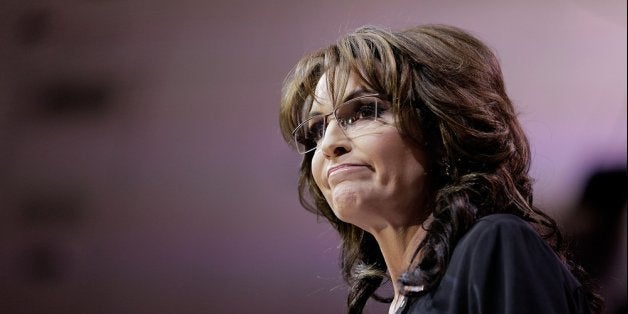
[[366, 109]]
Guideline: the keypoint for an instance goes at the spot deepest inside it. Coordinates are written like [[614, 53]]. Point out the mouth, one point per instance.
[[344, 167]]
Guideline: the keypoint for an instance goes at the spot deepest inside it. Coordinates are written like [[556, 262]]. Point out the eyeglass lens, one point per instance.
[[351, 116]]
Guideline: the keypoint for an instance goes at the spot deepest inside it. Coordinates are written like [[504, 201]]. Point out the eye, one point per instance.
[[308, 134], [367, 110], [315, 129], [357, 109]]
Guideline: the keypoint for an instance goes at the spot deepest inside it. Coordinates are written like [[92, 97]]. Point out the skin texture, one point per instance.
[[373, 180]]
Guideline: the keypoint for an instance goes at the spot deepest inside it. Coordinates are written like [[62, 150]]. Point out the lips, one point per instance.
[[342, 167]]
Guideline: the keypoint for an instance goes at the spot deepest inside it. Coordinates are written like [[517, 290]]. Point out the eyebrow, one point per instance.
[[354, 94]]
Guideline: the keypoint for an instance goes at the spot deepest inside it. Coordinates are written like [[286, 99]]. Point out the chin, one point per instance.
[[352, 216], [348, 205], [343, 215], [347, 215]]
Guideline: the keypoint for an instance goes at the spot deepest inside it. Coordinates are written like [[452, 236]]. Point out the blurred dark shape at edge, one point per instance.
[[41, 263], [597, 231], [51, 209], [33, 26], [74, 97]]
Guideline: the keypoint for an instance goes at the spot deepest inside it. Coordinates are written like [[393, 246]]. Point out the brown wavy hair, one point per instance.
[[448, 97]]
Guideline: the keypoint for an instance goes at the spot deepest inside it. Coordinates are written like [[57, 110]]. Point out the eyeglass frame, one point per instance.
[[333, 112]]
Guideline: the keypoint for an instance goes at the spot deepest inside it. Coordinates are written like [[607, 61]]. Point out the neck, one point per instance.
[[398, 245]]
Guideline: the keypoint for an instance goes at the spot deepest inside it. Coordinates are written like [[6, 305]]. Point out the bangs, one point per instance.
[[367, 53]]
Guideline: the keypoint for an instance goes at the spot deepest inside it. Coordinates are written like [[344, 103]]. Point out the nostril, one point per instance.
[[340, 150]]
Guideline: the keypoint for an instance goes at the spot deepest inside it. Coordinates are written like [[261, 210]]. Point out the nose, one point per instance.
[[335, 142]]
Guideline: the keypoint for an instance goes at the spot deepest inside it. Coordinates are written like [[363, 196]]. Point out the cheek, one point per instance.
[[400, 163], [317, 170]]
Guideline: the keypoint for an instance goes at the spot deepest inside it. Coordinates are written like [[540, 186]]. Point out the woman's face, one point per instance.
[[373, 179]]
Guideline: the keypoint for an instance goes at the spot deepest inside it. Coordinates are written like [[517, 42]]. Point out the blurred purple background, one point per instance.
[[141, 165]]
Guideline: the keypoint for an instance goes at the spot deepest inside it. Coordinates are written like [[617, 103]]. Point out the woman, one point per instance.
[[413, 152]]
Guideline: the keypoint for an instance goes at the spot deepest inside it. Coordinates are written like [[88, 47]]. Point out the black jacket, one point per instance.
[[503, 266]]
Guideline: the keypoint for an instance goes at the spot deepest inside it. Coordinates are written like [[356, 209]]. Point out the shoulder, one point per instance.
[[503, 240], [505, 251], [502, 265], [502, 220], [504, 231], [499, 224], [499, 238]]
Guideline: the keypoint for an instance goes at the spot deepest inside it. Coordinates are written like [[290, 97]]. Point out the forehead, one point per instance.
[[323, 100]]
